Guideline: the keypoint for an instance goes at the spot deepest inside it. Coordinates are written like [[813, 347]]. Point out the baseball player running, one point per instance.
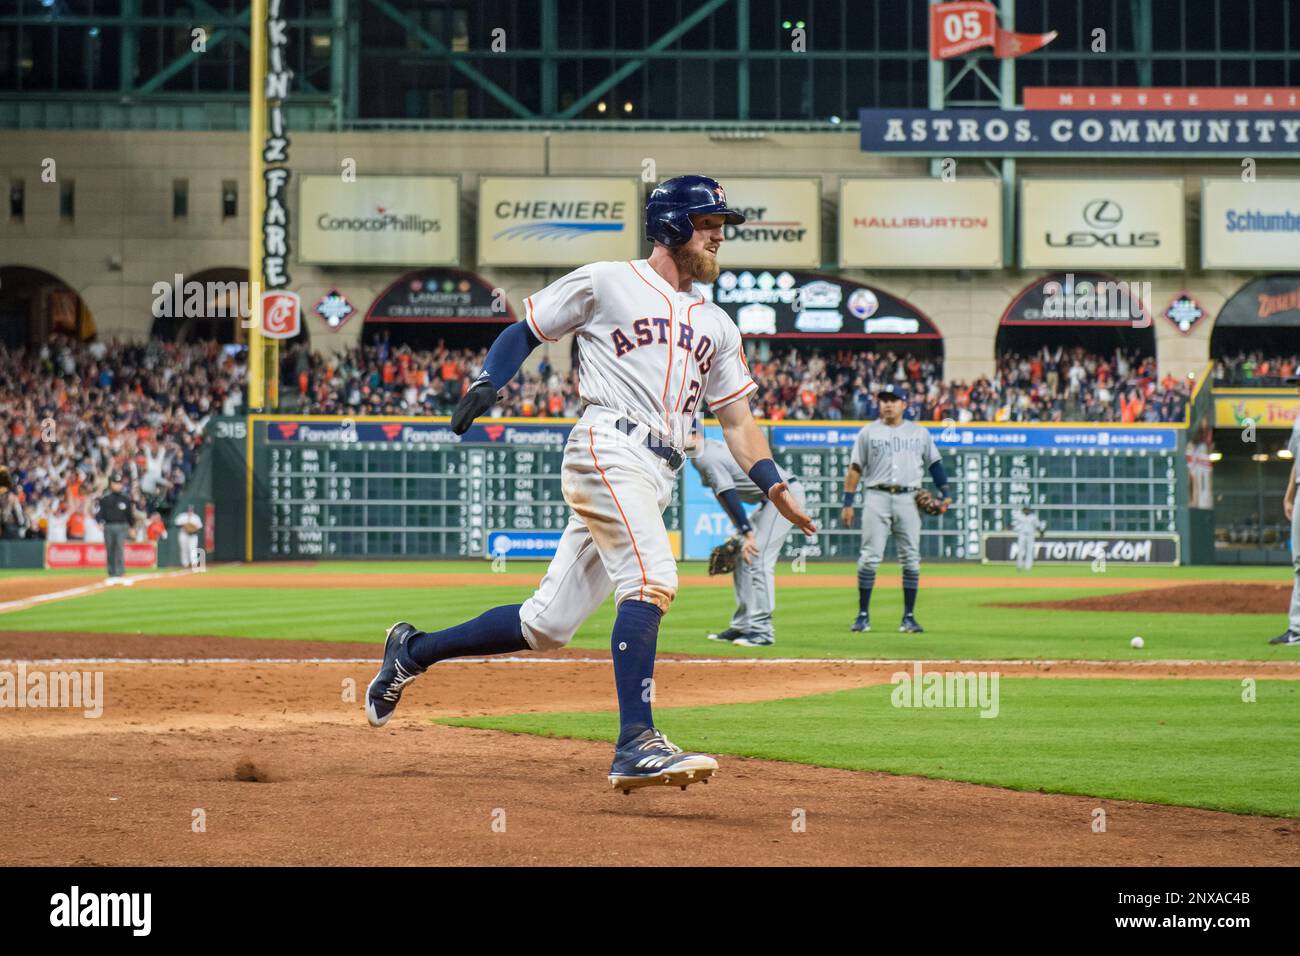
[[1292, 634], [651, 349], [1027, 526], [892, 454], [755, 573]]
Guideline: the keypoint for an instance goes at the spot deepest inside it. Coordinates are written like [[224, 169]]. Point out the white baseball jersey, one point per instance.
[[645, 350], [1027, 525], [894, 455], [650, 354]]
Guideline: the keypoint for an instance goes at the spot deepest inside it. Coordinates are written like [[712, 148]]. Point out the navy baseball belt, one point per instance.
[[652, 441], [892, 489]]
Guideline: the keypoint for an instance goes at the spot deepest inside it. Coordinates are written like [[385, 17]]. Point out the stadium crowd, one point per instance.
[[73, 413], [1257, 369]]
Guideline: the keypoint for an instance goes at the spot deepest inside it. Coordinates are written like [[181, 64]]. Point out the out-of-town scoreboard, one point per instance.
[[391, 488]]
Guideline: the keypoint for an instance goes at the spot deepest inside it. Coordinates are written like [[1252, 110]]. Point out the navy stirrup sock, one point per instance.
[[911, 580], [636, 632], [866, 581], [493, 632]]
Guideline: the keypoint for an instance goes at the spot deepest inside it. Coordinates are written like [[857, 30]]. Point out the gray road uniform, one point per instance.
[[1294, 445], [756, 580], [894, 462], [1027, 528]]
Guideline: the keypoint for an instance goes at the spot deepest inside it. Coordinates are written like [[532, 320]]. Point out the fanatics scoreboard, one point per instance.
[[322, 488]]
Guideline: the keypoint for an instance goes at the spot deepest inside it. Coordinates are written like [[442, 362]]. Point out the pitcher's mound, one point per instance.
[[1209, 598]]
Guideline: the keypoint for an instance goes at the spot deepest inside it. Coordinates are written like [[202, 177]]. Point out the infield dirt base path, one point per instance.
[[285, 771]]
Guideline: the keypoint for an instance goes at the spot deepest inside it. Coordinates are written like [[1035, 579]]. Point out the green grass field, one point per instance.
[[811, 621], [1193, 743], [1181, 741]]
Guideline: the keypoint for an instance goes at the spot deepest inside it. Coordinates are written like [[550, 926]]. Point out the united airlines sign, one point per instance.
[[987, 132]]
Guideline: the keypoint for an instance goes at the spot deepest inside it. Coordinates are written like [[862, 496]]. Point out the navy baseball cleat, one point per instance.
[[909, 626], [651, 759], [395, 673], [1289, 637], [730, 634], [862, 622], [754, 640]]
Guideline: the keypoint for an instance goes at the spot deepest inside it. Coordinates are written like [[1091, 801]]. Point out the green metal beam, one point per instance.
[[433, 43], [742, 65], [627, 69], [171, 69], [130, 48], [550, 78], [1141, 14]]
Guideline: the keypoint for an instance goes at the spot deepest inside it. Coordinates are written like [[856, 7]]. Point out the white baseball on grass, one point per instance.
[[1136, 642]]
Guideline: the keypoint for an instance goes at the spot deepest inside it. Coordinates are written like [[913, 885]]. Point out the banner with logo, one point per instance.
[[965, 25], [806, 304], [989, 132], [558, 222], [1102, 223], [1008, 435], [783, 223], [1252, 225], [921, 223], [1266, 411], [1004, 548], [79, 554], [379, 220], [1234, 98], [1272, 301], [1081, 299], [440, 295]]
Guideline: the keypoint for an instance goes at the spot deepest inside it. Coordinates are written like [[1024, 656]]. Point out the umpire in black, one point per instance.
[[114, 514]]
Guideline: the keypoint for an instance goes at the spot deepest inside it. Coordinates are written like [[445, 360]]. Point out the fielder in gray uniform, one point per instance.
[[892, 455], [1292, 634], [1027, 526], [755, 574]]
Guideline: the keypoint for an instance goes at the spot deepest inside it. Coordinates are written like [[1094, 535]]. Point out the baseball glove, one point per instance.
[[722, 560], [930, 504]]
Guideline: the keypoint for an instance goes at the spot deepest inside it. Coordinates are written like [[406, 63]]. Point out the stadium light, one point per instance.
[[627, 107], [1216, 456], [1259, 456], [600, 107], [1285, 454]]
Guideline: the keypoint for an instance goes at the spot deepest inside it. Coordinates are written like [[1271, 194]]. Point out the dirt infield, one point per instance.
[[285, 770], [1209, 597]]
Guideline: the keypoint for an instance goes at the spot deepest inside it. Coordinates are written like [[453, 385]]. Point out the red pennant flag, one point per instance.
[[1010, 44], [966, 25]]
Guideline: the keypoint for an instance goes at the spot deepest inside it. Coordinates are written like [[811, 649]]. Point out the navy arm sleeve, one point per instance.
[[940, 477], [730, 500], [507, 354]]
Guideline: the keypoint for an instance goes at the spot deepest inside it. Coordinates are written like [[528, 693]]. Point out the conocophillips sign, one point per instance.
[[783, 223], [1101, 223], [921, 223], [379, 220], [557, 221], [1253, 225]]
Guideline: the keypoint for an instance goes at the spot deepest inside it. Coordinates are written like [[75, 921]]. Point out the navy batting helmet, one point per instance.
[[670, 206]]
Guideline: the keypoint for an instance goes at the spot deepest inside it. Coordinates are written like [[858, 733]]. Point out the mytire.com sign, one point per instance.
[[549, 221], [1003, 548], [379, 220]]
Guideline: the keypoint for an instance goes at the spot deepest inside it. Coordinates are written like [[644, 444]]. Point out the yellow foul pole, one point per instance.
[[256, 201]]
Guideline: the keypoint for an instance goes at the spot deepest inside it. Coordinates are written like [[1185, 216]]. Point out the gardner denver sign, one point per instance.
[[983, 132]]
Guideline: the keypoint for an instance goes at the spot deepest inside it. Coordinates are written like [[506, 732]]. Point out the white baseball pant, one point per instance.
[[615, 539]]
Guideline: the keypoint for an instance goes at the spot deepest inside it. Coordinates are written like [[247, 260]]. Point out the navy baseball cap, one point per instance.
[[888, 391]]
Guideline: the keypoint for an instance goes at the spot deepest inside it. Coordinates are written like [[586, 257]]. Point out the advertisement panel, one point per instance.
[[552, 221], [1003, 548], [1084, 299], [440, 295], [1265, 411], [1058, 132], [796, 304], [1102, 224], [1010, 435], [1267, 302], [1253, 225], [80, 554], [783, 223], [1234, 98], [379, 220], [922, 223]]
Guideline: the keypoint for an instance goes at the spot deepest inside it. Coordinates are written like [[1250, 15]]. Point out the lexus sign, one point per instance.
[[1102, 224]]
